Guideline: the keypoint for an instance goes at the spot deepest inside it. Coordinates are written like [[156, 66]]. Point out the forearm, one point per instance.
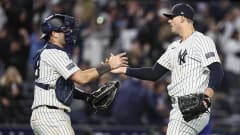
[[141, 73], [86, 76], [148, 73], [78, 94]]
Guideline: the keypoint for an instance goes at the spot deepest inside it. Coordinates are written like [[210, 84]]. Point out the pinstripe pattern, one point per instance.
[[188, 61], [197, 45], [53, 64], [44, 121], [177, 126]]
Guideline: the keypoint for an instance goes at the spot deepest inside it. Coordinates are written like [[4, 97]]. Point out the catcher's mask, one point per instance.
[[61, 23]]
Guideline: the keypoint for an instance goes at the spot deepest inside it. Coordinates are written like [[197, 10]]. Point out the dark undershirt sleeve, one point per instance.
[[80, 95], [147, 73], [216, 75]]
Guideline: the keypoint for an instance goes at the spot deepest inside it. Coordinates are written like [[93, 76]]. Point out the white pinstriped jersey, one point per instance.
[[53, 64], [188, 61]]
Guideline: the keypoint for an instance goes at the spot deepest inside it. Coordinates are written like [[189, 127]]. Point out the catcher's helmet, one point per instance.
[[60, 23]]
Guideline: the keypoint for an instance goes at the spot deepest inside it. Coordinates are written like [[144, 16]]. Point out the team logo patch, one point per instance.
[[70, 66], [181, 57], [210, 54]]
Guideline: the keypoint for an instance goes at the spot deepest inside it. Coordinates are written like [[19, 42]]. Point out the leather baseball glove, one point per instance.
[[193, 105], [104, 96]]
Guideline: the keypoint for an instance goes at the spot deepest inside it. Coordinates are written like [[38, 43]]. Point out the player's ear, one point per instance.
[[54, 34], [182, 19]]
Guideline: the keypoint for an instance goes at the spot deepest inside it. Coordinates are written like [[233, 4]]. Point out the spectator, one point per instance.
[[232, 55], [4, 43], [17, 56], [11, 94]]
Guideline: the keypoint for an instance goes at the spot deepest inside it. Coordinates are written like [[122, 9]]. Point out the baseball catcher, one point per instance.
[[193, 105], [55, 75]]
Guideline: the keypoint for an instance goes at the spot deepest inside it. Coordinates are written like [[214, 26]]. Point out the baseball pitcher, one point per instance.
[[196, 72]]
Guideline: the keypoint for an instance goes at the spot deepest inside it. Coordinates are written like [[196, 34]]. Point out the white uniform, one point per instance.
[[44, 120], [188, 61]]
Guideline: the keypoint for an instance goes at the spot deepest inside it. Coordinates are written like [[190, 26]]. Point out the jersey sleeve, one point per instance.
[[62, 63], [165, 60], [208, 51]]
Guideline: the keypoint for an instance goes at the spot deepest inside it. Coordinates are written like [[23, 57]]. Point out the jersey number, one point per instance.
[[36, 69]]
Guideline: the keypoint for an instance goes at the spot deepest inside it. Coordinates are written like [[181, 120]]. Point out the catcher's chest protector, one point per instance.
[[63, 88]]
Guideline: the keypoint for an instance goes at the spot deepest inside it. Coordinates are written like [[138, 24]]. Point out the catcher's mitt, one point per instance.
[[193, 105], [103, 97]]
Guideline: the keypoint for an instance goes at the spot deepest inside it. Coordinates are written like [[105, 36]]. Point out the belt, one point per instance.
[[174, 100], [51, 107], [44, 86]]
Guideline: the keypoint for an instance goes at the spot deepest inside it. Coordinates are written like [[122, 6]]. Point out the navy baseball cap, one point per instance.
[[181, 9]]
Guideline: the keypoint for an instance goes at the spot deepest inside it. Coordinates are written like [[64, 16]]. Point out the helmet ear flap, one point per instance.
[[53, 22], [46, 27]]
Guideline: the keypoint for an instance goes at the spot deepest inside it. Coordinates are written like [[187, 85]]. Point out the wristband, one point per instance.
[[103, 69]]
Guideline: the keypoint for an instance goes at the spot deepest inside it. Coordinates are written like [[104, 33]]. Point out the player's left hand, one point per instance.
[[104, 96], [193, 105]]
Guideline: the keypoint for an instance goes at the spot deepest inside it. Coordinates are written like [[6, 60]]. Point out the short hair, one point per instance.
[[189, 20]]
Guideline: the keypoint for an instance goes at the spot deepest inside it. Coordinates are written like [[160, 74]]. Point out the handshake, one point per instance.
[[104, 96], [118, 63]]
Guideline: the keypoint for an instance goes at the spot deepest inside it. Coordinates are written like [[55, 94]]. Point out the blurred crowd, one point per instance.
[[112, 26]]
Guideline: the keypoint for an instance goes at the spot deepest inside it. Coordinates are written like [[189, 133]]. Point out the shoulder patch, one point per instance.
[[70, 66], [210, 54]]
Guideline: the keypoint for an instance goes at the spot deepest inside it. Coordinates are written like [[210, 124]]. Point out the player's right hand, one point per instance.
[[119, 70], [119, 60]]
